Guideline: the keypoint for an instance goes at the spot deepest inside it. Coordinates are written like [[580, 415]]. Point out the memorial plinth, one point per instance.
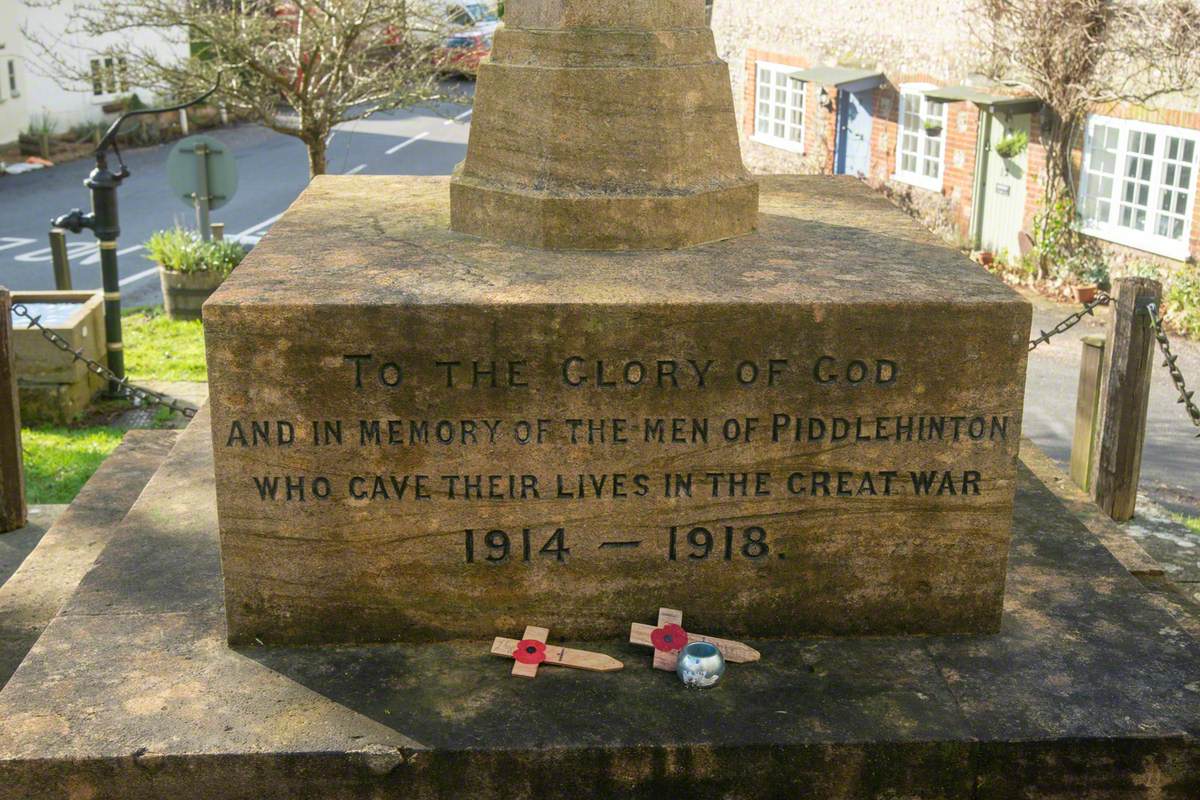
[[420, 435]]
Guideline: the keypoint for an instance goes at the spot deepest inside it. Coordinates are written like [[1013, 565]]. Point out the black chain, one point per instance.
[[140, 395], [1172, 365], [1070, 322]]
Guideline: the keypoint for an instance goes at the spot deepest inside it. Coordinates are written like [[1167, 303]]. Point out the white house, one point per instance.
[[29, 88], [13, 116]]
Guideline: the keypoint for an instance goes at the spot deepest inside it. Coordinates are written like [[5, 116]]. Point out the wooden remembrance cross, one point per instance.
[[532, 650], [669, 639]]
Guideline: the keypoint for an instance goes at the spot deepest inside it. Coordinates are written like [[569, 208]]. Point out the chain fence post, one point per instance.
[[1087, 410], [62, 263], [13, 511], [1124, 397]]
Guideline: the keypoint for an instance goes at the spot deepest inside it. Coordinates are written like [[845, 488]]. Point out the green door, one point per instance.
[[1001, 208]]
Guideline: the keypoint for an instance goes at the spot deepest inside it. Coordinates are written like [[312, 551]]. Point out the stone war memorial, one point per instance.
[[598, 372]]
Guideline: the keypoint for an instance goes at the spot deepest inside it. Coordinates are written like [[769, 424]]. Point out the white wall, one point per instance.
[[78, 103], [13, 114]]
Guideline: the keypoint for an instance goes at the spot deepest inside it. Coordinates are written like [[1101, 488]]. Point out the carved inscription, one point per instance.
[[790, 432]]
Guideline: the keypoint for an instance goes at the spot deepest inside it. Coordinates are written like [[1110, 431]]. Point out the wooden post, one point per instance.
[[1087, 410], [1124, 398], [62, 263], [13, 512]]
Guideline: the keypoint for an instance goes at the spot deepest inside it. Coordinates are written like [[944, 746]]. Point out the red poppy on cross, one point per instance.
[[669, 639], [532, 650]]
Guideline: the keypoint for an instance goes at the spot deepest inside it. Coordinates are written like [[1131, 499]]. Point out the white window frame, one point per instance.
[[908, 93], [794, 89], [1111, 230]]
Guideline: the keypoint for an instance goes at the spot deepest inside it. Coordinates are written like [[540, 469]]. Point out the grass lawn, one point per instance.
[[1192, 523], [160, 349], [58, 461]]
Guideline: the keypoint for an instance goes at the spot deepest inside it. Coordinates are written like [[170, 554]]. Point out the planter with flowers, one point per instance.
[[191, 269]]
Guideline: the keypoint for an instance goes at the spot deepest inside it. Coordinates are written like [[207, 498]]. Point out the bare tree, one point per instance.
[[1078, 56], [299, 67]]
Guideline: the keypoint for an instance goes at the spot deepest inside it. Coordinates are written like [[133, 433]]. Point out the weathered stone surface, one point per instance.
[[1089, 692], [360, 285], [36, 591], [604, 125]]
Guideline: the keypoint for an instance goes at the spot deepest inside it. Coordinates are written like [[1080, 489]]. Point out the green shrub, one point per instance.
[[1070, 257], [1182, 298], [42, 125], [180, 250], [1093, 270], [1141, 268]]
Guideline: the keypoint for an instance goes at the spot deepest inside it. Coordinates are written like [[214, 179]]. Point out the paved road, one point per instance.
[[1171, 458], [272, 171]]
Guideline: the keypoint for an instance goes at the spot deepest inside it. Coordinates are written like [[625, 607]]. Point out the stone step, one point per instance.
[[1088, 691], [49, 575]]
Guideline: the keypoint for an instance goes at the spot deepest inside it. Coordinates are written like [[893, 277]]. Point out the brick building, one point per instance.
[[885, 89]]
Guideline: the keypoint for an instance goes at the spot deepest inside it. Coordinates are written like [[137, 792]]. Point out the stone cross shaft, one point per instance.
[[604, 126]]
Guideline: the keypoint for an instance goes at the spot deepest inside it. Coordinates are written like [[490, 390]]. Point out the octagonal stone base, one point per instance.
[[603, 222], [604, 125]]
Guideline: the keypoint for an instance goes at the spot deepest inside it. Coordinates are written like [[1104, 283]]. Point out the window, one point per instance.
[[920, 143], [110, 75], [13, 89], [779, 107], [1138, 184]]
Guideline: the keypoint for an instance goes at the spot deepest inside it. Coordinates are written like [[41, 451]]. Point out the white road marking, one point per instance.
[[251, 235], [74, 250], [466, 113], [139, 276], [356, 170], [9, 242], [94, 258], [329, 138], [405, 144]]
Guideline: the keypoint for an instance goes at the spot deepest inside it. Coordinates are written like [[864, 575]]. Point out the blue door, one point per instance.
[[853, 153]]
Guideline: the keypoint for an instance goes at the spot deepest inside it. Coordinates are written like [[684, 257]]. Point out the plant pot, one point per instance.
[[1084, 294], [987, 258], [185, 292]]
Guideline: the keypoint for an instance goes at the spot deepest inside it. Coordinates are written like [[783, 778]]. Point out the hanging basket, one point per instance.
[[1013, 145]]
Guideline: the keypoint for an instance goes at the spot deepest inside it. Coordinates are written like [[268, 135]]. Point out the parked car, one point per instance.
[[469, 41], [463, 52]]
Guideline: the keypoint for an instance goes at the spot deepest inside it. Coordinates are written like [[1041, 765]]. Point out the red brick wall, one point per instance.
[[958, 183], [1035, 172]]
